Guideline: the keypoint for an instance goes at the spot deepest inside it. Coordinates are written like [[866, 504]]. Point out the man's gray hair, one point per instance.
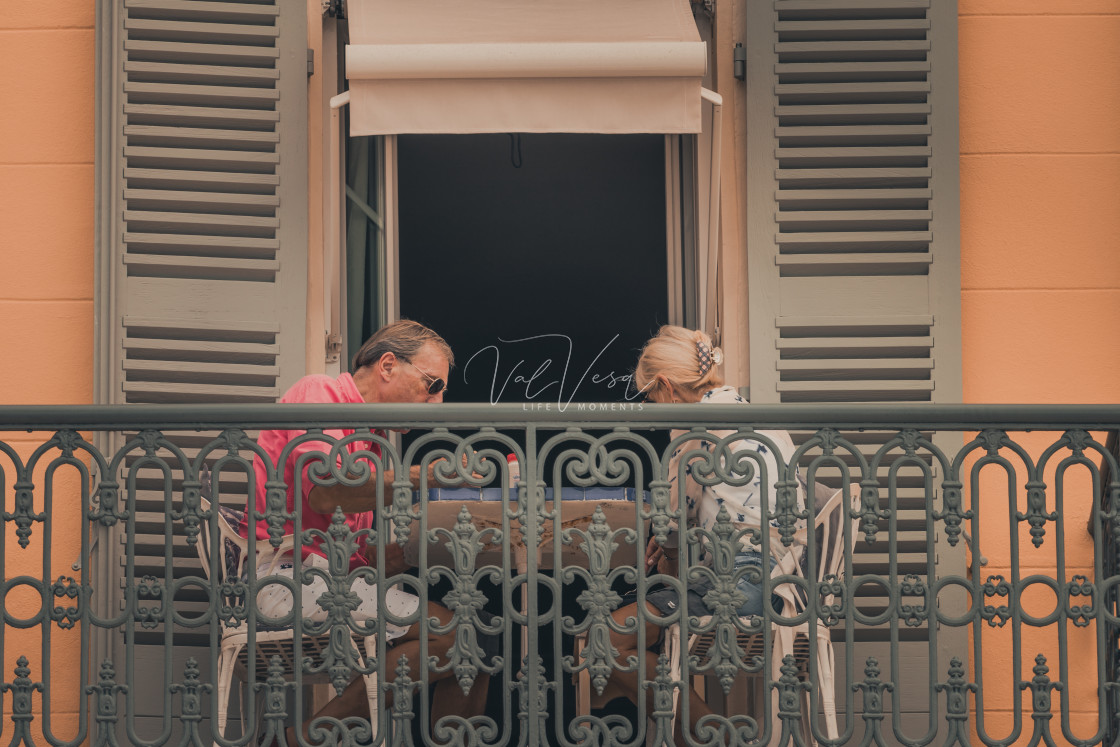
[[403, 339]]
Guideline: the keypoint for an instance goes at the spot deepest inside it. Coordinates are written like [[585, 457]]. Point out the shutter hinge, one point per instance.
[[310, 62], [334, 347], [705, 6], [739, 61]]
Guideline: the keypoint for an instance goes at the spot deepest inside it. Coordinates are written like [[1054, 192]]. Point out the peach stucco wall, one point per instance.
[[46, 202], [46, 278], [1040, 212], [1040, 278]]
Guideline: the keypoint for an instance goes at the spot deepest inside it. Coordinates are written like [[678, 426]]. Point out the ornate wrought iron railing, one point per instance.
[[976, 596]]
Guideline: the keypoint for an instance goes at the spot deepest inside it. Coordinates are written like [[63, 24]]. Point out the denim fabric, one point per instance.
[[666, 601]]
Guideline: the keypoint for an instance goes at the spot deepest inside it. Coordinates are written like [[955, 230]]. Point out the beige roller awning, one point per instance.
[[467, 66]]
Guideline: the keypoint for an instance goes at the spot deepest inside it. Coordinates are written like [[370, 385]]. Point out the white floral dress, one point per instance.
[[744, 502]]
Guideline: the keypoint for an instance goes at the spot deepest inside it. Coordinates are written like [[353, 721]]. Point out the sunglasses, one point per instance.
[[435, 385]]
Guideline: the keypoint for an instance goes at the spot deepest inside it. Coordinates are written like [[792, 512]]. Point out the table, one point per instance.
[[578, 505]]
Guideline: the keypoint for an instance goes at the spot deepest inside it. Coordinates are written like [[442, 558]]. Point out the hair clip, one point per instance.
[[704, 354], [708, 356]]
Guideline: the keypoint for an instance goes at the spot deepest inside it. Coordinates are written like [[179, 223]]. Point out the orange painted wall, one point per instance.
[[46, 281], [1040, 277]]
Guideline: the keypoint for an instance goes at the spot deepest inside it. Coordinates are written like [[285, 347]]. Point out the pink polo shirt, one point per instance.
[[316, 388]]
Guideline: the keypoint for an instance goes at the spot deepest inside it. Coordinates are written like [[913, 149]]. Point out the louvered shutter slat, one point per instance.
[[850, 264], [201, 269], [232, 369], [213, 54], [854, 7], [851, 50], [199, 116], [836, 28], [169, 93], [172, 392], [836, 114], [203, 245], [792, 347], [823, 390], [215, 220], [216, 33], [881, 238], [895, 70], [174, 157], [853, 178], [841, 92], [199, 199], [201, 350], [187, 9], [827, 198], [222, 75], [205, 223], [853, 216], [865, 155], [185, 179], [188, 136]]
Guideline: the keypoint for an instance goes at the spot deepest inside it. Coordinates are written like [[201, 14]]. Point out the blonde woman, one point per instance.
[[682, 365]]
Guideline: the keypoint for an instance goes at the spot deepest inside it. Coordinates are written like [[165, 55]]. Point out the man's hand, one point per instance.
[[657, 557], [474, 481], [394, 559]]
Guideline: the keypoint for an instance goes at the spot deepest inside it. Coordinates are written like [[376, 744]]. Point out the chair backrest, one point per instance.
[[829, 530], [232, 530], [233, 547], [828, 538]]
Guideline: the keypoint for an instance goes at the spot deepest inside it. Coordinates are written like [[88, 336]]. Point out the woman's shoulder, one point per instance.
[[730, 395], [723, 395]]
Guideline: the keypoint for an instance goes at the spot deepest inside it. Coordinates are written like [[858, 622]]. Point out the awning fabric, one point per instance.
[[467, 66]]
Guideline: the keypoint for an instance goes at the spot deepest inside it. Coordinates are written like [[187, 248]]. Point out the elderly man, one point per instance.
[[402, 362]]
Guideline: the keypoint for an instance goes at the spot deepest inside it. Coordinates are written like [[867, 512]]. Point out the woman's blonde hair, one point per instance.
[[685, 357]]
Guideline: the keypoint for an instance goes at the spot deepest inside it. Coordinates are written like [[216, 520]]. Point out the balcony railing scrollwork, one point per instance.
[[139, 542]]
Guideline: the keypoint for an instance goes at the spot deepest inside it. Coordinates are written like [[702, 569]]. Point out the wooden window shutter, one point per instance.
[[853, 204], [201, 263], [854, 262], [205, 255]]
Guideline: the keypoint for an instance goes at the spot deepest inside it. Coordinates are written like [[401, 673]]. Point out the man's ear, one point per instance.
[[385, 364]]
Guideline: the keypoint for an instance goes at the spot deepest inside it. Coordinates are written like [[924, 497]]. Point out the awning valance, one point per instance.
[[466, 66]]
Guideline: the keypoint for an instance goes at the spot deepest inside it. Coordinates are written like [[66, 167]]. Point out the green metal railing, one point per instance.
[[976, 598]]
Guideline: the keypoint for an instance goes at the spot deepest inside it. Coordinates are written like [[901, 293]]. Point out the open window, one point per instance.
[[534, 186]]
